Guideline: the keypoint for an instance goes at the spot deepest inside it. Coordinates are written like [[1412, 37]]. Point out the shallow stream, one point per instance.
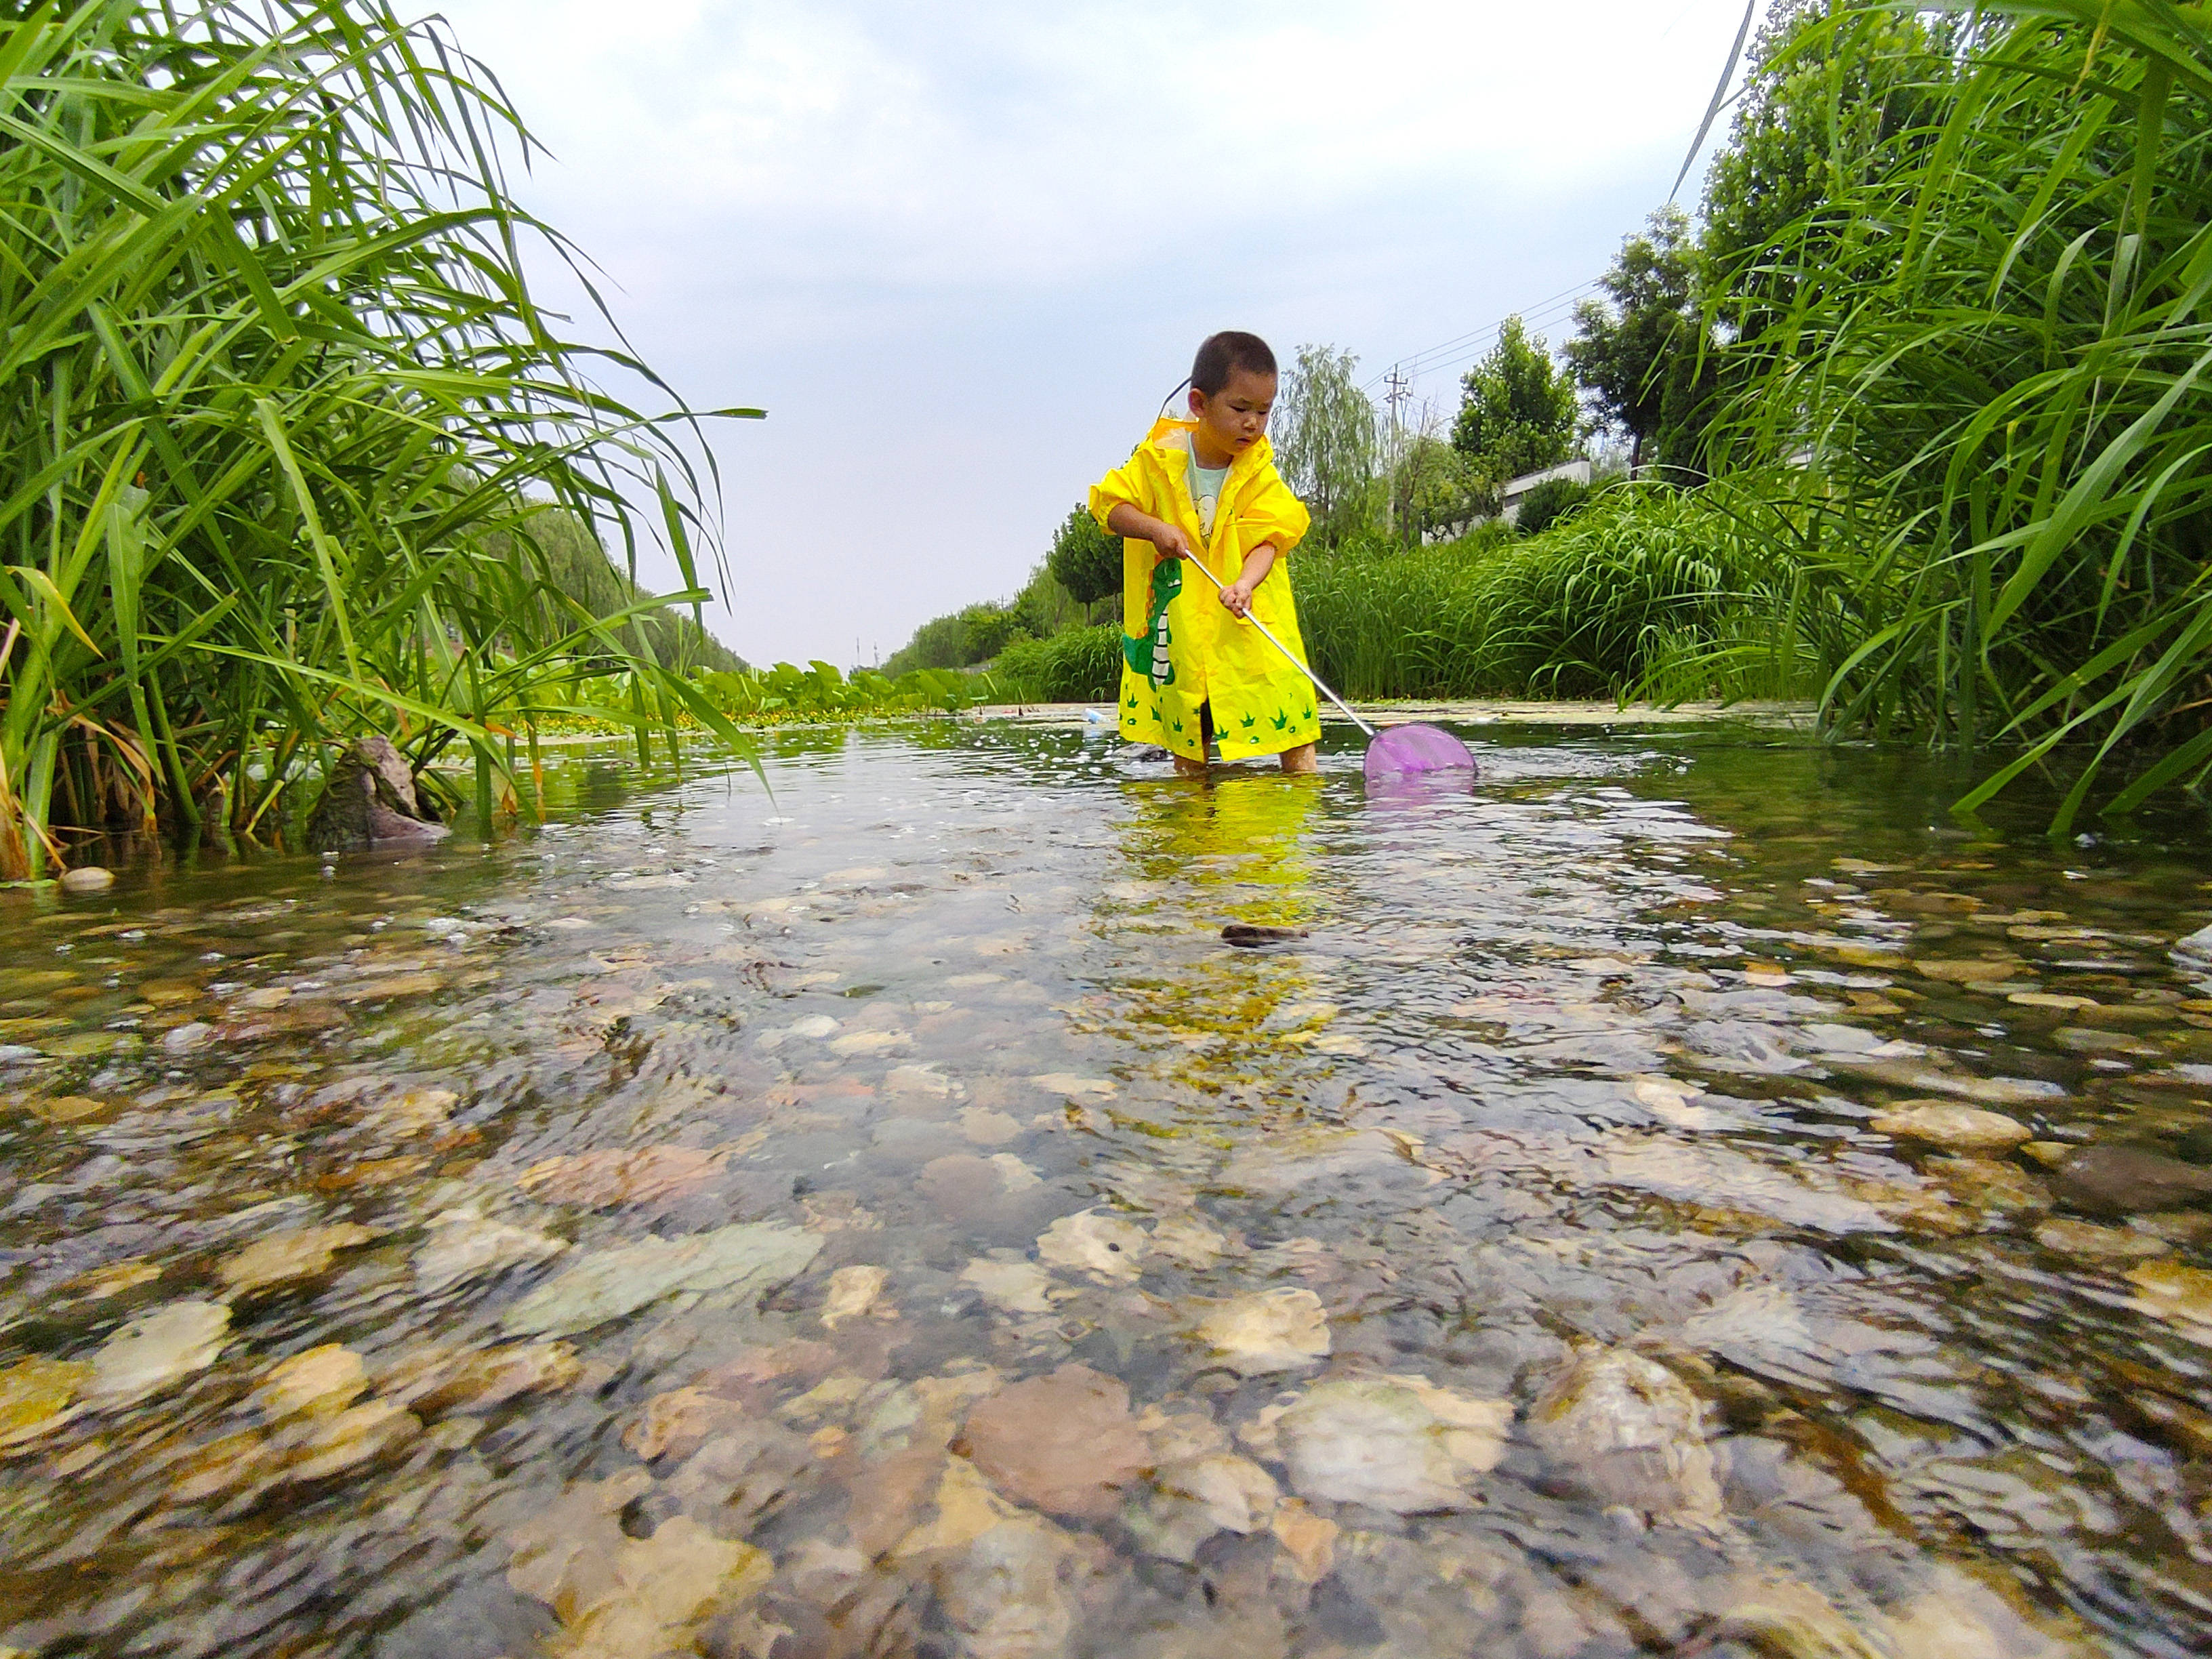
[[1686, 1195]]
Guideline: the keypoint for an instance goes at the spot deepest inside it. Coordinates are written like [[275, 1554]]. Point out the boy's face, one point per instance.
[[1235, 417]]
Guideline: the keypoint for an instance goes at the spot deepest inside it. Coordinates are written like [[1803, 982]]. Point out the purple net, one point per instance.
[[1407, 751]]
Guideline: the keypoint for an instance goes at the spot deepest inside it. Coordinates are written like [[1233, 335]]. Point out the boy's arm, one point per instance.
[[1113, 503], [1125, 519], [1237, 596], [1280, 520]]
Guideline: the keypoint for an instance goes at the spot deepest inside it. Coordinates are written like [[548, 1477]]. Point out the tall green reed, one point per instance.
[[1998, 356], [276, 409]]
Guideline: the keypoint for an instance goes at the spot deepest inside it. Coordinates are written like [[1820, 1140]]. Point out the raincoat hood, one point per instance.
[[1171, 434]]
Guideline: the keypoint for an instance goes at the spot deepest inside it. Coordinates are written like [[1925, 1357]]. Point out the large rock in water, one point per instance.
[[371, 799], [2128, 1179], [1631, 1433], [1065, 1443]]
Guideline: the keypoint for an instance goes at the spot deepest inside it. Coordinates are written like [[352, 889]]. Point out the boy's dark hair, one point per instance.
[[1229, 349]]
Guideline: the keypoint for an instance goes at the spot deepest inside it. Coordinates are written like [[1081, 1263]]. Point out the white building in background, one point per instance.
[[1509, 498]]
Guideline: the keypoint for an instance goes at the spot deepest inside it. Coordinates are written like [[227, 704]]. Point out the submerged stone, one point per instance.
[[2182, 1296], [1192, 1500], [282, 1258], [36, 1395], [324, 1379], [435, 1381], [983, 1126], [598, 1180], [852, 1292], [1278, 1330], [159, 1347], [1096, 1242], [1063, 1443], [629, 1597], [1947, 1123], [371, 797], [1014, 1287], [1376, 1441], [677, 1423], [2125, 1180], [463, 1245], [1632, 1433], [610, 1283], [2094, 1244]]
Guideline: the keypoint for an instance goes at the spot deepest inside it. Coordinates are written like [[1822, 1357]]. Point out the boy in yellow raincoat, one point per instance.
[[1206, 488]]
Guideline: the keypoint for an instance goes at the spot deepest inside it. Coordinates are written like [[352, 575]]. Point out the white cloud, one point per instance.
[[899, 225]]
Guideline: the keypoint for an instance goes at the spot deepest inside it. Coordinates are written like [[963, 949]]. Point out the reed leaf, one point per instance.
[[279, 410], [1996, 354]]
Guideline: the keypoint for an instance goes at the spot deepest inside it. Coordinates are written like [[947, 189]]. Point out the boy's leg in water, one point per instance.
[[1198, 769], [1302, 759]]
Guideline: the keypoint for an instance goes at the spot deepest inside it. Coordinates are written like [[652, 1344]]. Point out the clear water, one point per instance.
[[1584, 1062]]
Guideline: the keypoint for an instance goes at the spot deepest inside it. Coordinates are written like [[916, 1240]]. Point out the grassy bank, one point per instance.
[[1647, 592], [281, 418]]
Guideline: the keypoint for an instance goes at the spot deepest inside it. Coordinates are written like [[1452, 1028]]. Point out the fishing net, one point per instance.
[[1412, 751]]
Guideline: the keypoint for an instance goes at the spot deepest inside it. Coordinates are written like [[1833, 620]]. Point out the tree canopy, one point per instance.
[[1518, 413], [1631, 344], [1085, 559]]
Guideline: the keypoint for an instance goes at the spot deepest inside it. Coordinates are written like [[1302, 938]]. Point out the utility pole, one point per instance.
[[1400, 386]]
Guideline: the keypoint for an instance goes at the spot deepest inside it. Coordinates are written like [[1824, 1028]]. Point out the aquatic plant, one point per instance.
[[279, 409], [821, 691]]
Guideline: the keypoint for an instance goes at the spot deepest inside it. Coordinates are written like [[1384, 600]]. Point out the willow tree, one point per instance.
[[276, 407], [1325, 439]]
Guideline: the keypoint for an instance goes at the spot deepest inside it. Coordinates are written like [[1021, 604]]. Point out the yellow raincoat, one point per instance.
[[1261, 705]]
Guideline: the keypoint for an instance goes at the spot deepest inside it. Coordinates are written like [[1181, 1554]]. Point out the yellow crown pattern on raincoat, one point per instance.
[[1261, 705]]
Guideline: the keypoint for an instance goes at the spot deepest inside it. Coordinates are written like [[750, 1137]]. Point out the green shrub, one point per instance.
[[1547, 503], [1647, 590], [1083, 665]]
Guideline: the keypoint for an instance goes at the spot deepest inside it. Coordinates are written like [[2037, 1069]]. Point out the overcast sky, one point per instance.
[[960, 252]]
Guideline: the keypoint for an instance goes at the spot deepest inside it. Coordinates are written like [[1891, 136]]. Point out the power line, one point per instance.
[[1458, 349], [1564, 296]]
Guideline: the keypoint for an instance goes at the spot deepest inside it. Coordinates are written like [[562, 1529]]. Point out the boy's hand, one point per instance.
[[1170, 543], [1237, 597]]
